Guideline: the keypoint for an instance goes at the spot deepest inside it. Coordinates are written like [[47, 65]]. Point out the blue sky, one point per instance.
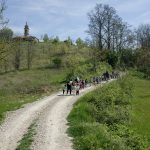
[[65, 18]]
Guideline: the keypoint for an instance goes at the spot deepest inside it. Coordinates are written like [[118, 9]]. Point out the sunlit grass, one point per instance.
[[141, 107]]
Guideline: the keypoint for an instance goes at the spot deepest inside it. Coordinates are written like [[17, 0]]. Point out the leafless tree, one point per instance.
[[30, 53], [107, 28], [143, 36], [96, 24], [17, 54], [3, 21]]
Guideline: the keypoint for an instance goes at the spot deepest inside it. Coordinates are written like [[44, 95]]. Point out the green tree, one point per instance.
[[56, 40], [126, 58], [72, 62], [68, 42], [112, 59], [80, 43], [143, 61], [57, 62], [6, 34], [45, 38]]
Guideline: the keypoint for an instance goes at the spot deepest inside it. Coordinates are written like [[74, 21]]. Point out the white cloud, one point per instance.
[[69, 17]]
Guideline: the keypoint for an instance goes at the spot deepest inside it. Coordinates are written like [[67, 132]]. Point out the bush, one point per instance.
[[131, 139], [83, 112], [112, 59], [57, 62]]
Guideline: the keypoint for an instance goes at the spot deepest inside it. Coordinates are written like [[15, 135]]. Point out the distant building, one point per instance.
[[26, 36]]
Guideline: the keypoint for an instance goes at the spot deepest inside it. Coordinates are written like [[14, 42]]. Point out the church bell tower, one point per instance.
[[26, 30]]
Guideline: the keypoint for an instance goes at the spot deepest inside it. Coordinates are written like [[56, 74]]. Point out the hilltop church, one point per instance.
[[26, 36]]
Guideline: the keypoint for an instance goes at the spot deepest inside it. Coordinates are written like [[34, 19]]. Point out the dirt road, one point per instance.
[[51, 113]]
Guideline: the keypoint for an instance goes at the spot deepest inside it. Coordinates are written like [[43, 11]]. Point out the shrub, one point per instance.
[[57, 62]]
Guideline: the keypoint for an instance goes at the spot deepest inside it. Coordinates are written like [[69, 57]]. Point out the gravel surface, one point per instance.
[[17, 122], [52, 124], [51, 113]]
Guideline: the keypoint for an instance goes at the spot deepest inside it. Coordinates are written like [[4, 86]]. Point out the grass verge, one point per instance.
[[141, 107], [101, 119], [27, 140]]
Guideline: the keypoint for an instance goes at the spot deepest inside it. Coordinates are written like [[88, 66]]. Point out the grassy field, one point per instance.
[[18, 88], [141, 106]]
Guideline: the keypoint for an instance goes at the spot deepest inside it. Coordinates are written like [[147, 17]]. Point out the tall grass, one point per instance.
[[141, 106]]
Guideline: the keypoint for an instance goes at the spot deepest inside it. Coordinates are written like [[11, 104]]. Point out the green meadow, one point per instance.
[[141, 106]]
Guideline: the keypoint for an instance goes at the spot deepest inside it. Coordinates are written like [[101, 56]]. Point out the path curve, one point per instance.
[[51, 113], [17, 122], [52, 125]]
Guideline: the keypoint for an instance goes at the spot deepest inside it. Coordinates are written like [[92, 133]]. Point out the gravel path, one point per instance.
[[17, 122], [52, 125], [51, 113]]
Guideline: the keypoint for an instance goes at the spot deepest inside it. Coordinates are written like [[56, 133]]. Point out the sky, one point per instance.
[[65, 18]]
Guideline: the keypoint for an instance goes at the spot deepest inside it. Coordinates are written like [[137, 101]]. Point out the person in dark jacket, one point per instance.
[[69, 88], [107, 75]]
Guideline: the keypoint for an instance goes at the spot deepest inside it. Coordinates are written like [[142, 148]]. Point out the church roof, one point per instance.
[[26, 38]]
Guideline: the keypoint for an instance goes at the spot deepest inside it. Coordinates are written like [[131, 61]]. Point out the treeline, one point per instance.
[[77, 57], [111, 41], [16, 55]]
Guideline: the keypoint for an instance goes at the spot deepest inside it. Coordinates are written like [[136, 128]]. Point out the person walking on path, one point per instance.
[[64, 89], [69, 87], [73, 87], [77, 89], [107, 75]]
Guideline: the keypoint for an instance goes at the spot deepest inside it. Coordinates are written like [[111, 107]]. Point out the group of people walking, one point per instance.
[[74, 87], [105, 77]]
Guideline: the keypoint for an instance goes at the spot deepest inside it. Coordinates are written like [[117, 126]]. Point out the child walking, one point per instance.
[[77, 89], [64, 89]]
